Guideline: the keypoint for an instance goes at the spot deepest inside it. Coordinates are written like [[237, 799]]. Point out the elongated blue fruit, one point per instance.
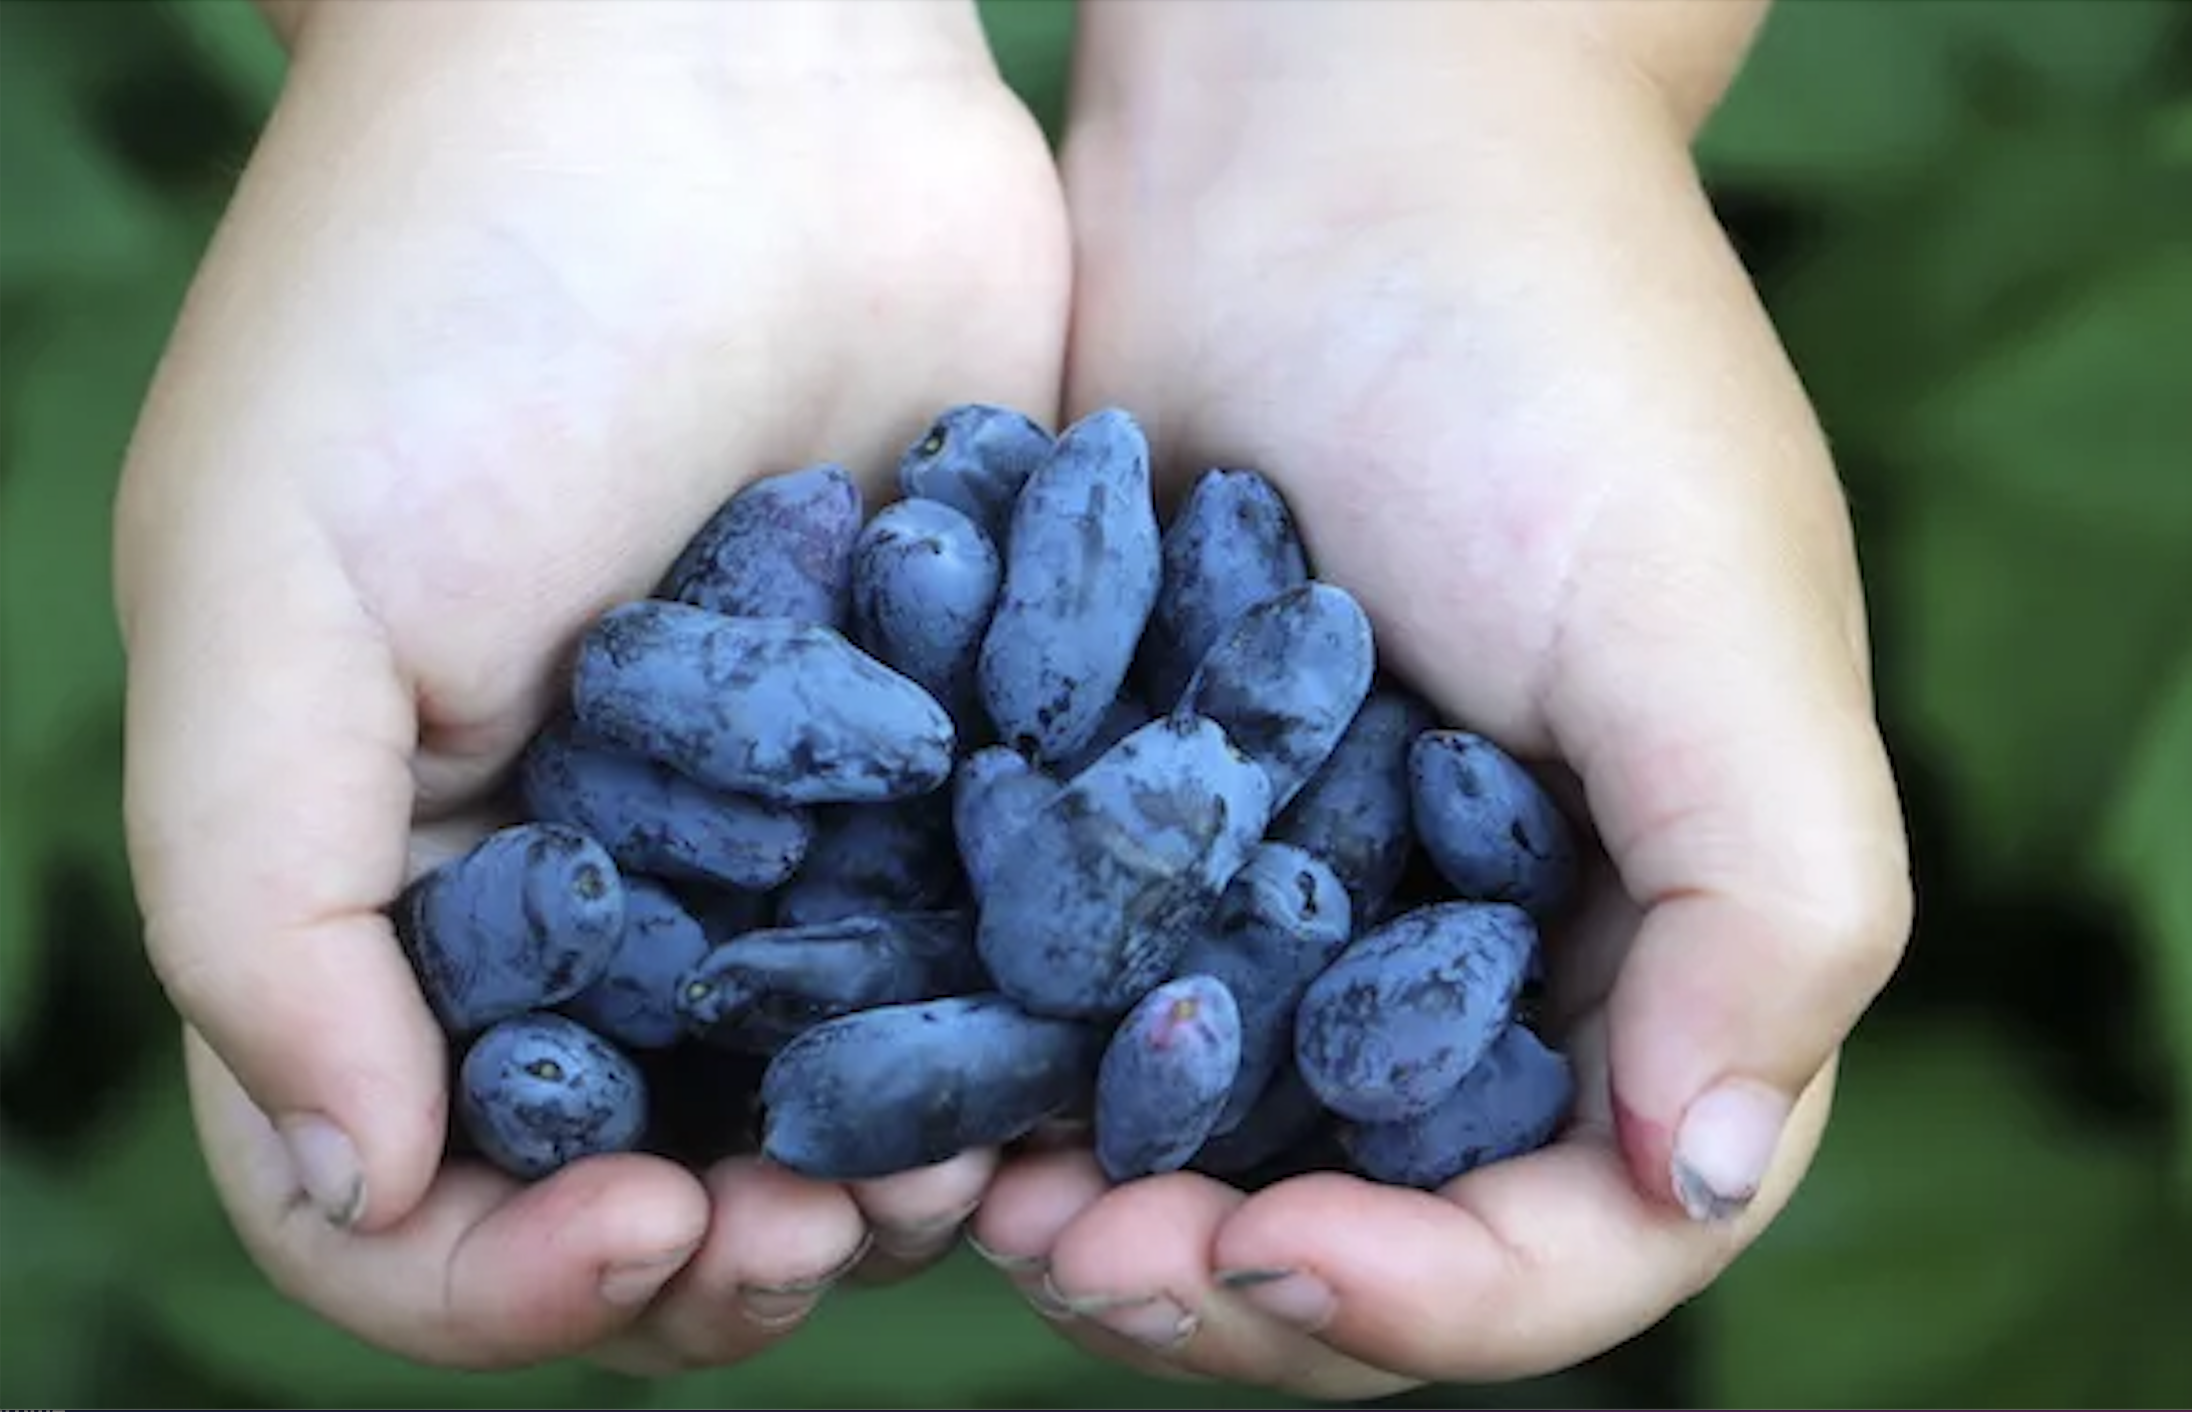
[[1355, 812], [1081, 572], [1122, 718], [975, 458], [1488, 826], [1285, 679], [761, 706], [925, 580], [538, 1092], [1231, 546], [654, 820], [891, 1090], [767, 988], [873, 858], [1511, 1103], [1282, 919], [1392, 1026], [996, 793], [527, 918], [1165, 1076], [780, 547], [634, 1002], [1092, 905], [1285, 1118]]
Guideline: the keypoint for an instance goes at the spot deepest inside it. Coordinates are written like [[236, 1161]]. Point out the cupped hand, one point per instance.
[[1474, 317], [509, 298]]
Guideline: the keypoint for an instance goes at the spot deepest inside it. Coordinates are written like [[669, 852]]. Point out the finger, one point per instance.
[[1738, 779], [1034, 1201], [916, 1217], [267, 827], [776, 1244], [1138, 1265], [1031, 1202], [1516, 1270], [482, 1273]]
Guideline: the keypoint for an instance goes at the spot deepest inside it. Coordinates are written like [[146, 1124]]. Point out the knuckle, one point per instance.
[[1867, 928]]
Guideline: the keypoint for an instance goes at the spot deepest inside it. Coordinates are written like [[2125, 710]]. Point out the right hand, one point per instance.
[[510, 297]]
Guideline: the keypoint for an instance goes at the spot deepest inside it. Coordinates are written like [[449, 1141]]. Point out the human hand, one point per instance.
[[509, 299], [1459, 295]]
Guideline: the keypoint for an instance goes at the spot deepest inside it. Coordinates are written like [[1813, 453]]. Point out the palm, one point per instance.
[[1512, 465], [467, 440]]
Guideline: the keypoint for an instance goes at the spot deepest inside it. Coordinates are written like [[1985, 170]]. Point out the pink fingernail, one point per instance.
[[1724, 1146], [1289, 1296], [325, 1163]]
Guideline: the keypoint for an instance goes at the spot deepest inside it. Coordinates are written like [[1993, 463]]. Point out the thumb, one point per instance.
[[268, 801], [1723, 727]]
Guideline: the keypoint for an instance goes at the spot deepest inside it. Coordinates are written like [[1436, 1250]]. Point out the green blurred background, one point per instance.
[[1973, 221]]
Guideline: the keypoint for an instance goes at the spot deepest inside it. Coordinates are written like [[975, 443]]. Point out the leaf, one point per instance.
[[2041, 573], [1844, 98], [1959, 1243], [1887, 303], [2086, 420], [2024, 645], [1033, 42], [2172, 134], [74, 404], [239, 47], [1789, 122], [54, 1265], [22, 862], [2147, 849], [73, 212]]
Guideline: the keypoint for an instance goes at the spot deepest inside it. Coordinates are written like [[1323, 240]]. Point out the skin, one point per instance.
[[510, 297], [585, 268], [1462, 297]]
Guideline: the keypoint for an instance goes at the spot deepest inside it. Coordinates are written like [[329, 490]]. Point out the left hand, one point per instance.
[[1518, 390]]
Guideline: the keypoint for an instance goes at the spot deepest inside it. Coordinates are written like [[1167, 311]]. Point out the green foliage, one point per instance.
[[1961, 1243], [1983, 213], [2148, 850], [1032, 40]]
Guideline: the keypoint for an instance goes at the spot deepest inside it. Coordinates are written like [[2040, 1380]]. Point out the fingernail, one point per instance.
[[1011, 1264], [774, 1306], [767, 1308], [1726, 1142], [636, 1281], [326, 1165], [925, 1238], [1289, 1296], [1154, 1321]]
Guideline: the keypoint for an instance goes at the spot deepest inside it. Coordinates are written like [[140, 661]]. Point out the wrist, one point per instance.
[[696, 43], [1322, 80]]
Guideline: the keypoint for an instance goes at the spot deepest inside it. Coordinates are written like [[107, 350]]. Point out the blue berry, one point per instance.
[[1409, 1008], [538, 1092], [1081, 571], [760, 706], [1093, 904], [907, 1086], [1489, 827], [1165, 1076], [527, 918], [1285, 679], [780, 547], [1512, 1102]]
